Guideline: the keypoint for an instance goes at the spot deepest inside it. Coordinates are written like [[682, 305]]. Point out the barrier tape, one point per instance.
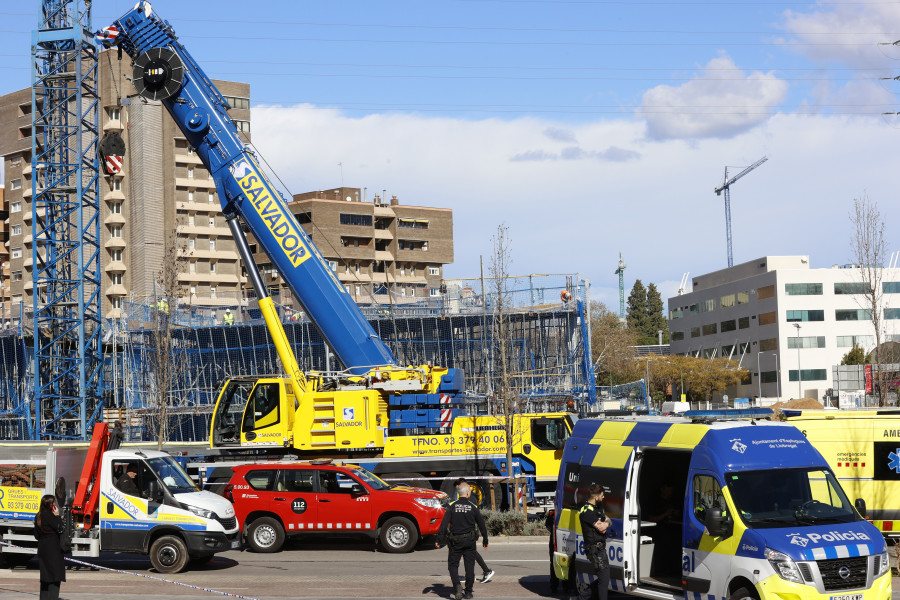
[[187, 585]]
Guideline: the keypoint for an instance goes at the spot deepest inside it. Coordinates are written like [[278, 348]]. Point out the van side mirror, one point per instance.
[[156, 494], [717, 523], [860, 505]]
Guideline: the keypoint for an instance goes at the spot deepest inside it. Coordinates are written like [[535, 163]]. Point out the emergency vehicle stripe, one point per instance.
[[647, 434], [612, 456], [330, 525], [838, 552], [682, 435], [612, 430]]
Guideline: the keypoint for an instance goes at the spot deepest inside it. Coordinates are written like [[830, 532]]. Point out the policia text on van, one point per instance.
[[758, 515]]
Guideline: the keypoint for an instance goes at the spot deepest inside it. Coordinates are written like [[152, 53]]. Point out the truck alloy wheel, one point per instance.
[[265, 535], [398, 535]]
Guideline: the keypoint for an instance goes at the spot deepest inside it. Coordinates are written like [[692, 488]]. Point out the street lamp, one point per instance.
[[799, 370]]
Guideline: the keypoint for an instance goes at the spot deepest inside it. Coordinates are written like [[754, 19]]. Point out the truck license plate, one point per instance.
[[847, 597], [235, 544]]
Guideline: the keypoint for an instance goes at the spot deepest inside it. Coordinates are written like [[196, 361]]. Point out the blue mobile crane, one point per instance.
[[410, 418]]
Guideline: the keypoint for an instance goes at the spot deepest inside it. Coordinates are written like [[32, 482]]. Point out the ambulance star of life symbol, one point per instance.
[[894, 463], [737, 446], [798, 540]]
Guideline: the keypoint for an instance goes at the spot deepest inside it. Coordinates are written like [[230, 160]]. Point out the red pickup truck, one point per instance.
[[274, 500]]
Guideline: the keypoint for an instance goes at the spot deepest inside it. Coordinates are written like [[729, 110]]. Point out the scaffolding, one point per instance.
[[65, 221]]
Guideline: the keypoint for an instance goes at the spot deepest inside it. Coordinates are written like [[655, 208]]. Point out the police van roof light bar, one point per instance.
[[726, 414]]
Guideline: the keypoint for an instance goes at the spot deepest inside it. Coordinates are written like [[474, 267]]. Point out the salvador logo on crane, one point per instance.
[[272, 211]]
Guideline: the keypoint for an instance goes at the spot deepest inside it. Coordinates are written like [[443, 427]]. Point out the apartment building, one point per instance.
[[784, 321], [375, 247], [163, 197]]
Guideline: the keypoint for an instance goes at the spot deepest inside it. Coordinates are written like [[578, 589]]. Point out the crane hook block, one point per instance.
[[158, 74]]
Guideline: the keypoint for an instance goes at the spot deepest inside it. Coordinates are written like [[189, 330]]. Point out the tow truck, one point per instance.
[[172, 521], [398, 421]]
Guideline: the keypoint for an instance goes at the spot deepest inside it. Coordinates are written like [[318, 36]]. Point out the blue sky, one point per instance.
[[587, 127]]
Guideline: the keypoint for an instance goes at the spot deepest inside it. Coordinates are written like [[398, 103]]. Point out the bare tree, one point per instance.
[[164, 369], [869, 250]]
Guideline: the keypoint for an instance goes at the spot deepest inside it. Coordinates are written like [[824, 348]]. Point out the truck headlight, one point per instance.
[[882, 564], [429, 502], [784, 565], [200, 512]]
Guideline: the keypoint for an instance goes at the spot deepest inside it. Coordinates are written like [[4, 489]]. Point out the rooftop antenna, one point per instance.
[[726, 187]]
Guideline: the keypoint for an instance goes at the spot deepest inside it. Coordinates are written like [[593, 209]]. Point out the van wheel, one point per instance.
[[168, 554], [743, 593], [265, 535], [398, 535]]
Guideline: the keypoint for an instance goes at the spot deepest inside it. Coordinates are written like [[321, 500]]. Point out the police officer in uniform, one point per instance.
[[594, 526], [459, 529]]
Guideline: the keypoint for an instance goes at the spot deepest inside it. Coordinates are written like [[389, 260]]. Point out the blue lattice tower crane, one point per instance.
[[620, 271], [726, 187], [65, 222]]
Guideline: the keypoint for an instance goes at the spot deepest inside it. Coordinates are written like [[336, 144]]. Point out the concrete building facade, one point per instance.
[[787, 323], [375, 247], [163, 197]]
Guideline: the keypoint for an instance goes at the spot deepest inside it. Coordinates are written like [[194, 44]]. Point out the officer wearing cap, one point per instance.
[[595, 526], [459, 529]]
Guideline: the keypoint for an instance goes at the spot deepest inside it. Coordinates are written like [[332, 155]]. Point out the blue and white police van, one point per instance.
[[714, 507]]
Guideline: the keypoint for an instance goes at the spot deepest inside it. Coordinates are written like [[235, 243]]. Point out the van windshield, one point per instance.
[[789, 497], [172, 475]]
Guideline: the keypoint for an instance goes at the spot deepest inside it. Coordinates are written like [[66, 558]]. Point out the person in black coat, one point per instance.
[[48, 529]]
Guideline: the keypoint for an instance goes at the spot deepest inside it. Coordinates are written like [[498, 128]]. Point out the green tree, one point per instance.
[[856, 356], [612, 346], [656, 319], [636, 310]]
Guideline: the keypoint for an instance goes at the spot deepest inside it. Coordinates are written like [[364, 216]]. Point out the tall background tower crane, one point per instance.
[[621, 273], [65, 222], [726, 187]]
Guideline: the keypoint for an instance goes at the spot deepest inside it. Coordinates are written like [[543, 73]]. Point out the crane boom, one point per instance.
[[165, 71], [726, 187]]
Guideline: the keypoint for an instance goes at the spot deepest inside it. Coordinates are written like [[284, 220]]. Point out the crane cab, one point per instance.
[[254, 412]]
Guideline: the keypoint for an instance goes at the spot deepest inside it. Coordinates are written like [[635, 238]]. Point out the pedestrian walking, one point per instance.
[[594, 527], [459, 530], [48, 531], [486, 572]]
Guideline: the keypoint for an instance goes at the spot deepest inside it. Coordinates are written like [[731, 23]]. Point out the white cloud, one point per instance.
[[846, 33], [575, 216], [722, 101]]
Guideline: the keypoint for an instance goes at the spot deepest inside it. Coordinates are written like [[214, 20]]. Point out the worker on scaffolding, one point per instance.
[[228, 318], [162, 312]]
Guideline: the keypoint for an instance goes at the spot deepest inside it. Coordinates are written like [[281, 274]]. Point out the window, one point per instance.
[[236, 102], [212, 291], [767, 318], [115, 255], [768, 344], [695, 332], [115, 278], [242, 126], [808, 375], [212, 197], [190, 172], [676, 313], [710, 329], [193, 290], [212, 221], [807, 342], [15, 253], [794, 316], [15, 184], [333, 265], [803, 289], [212, 267], [191, 243], [726, 326], [114, 114], [425, 246], [336, 482], [191, 220], [727, 350], [434, 292], [744, 323], [707, 305], [853, 314], [707, 494], [852, 287], [115, 302], [212, 244], [412, 292], [768, 377], [766, 292], [115, 208], [743, 297], [892, 313], [351, 219], [848, 341], [357, 290], [677, 336], [117, 185], [413, 223], [190, 150], [434, 271], [403, 269], [726, 301], [16, 275], [17, 230], [192, 266], [262, 480], [298, 480], [694, 309], [115, 231], [15, 206], [190, 195], [891, 287]]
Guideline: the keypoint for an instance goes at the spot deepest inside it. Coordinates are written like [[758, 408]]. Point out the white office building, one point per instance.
[[786, 323]]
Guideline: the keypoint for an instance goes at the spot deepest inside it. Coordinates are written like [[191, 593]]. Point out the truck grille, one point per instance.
[[229, 523], [830, 570]]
